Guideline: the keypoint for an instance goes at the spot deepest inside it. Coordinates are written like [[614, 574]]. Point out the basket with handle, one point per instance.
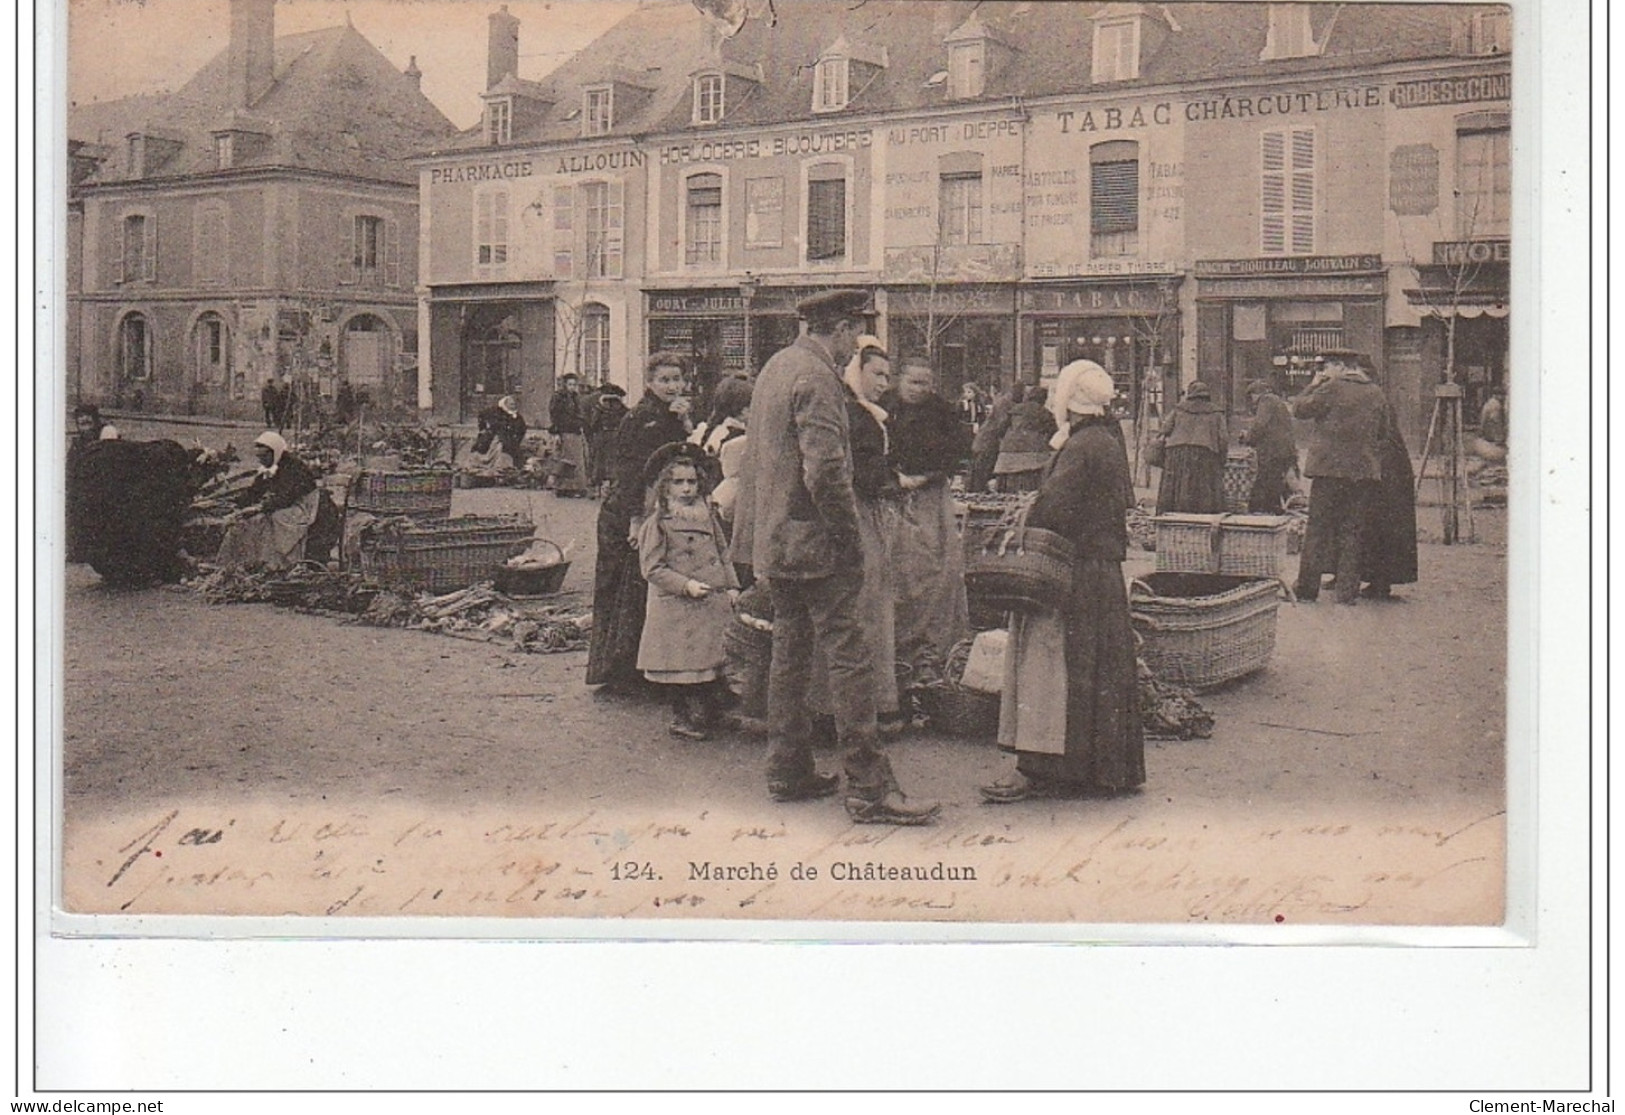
[[534, 580], [1227, 545], [439, 555], [420, 493], [1019, 569], [747, 647], [1202, 630], [956, 710]]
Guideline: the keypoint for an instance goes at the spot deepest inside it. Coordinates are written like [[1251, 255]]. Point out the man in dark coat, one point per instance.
[[797, 526], [274, 400], [1345, 469], [1271, 437]]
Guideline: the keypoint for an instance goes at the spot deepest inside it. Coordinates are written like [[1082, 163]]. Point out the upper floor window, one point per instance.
[[1490, 32], [959, 199], [966, 69], [708, 106], [1483, 175], [491, 232], [603, 210], [830, 84], [209, 251], [1117, 50], [1290, 34], [826, 212], [499, 121], [595, 343], [138, 249], [1287, 198], [1114, 199], [704, 220], [598, 111]]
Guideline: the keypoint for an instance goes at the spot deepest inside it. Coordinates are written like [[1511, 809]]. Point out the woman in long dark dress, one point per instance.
[[619, 590], [1196, 441], [1024, 451], [1070, 708], [1388, 542]]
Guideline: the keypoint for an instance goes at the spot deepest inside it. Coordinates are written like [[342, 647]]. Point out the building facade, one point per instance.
[[1174, 190], [257, 224]]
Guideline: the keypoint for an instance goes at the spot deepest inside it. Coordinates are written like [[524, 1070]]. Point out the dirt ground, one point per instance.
[[247, 759]]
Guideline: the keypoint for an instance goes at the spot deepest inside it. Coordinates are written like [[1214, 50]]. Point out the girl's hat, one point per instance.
[[673, 452]]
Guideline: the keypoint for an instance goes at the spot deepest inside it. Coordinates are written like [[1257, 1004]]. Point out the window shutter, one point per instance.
[[1272, 207], [499, 227], [149, 249], [1114, 197], [350, 262], [826, 218], [614, 233], [563, 230], [1303, 191], [123, 230], [392, 252], [482, 230]]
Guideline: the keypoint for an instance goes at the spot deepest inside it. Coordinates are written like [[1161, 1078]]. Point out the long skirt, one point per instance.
[[1388, 544], [275, 540], [929, 576], [877, 525], [570, 465], [1070, 707], [619, 600], [1192, 481]]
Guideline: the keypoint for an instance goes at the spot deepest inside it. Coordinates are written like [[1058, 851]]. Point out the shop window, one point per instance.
[[1116, 51], [1483, 175], [491, 232], [966, 69], [138, 249], [703, 232], [603, 208], [134, 349], [1114, 199], [210, 351], [598, 111], [209, 251], [499, 120], [830, 84], [708, 105], [594, 355], [826, 212], [1287, 203], [960, 208]]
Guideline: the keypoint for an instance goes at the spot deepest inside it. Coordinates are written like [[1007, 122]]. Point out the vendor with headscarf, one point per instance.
[[1070, 705], [501, 428], [1195, 440], [278, 509]]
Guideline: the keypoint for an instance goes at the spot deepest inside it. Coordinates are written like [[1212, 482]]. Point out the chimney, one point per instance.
[[413, 74], [251, 55], [502, 56]]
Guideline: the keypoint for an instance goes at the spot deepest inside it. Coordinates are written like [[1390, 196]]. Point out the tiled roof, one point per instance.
[[337, 105], [669, 40]]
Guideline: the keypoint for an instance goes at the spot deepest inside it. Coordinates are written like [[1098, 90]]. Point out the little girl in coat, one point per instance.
[[683, 555]]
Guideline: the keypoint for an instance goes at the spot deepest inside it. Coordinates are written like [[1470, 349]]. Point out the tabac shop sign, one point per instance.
[[1287, 266]]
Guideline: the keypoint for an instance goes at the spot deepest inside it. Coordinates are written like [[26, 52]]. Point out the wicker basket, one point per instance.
[[1201, 630], [980, 513], [445, 554], [534, 580], [1020, 569], [748, 653], [1230, 545], [962, 712], [422, 494], [1240, 471]]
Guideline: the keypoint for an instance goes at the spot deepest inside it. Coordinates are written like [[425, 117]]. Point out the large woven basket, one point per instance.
[[1019, 569], [748, 656], [1230, 545], [980, 512], [1200, 630], [444, 554], [422, 493], [1240, 471]]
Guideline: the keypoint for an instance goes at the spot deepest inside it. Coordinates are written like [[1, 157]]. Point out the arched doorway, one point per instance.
[[365, 358], [211, 361], [133, 339], [491, 364]]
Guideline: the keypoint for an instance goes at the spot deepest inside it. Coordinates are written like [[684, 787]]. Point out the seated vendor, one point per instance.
[[278, 509]]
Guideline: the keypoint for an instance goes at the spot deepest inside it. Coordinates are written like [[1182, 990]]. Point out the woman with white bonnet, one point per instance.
[[1070, 708], [277, 510]]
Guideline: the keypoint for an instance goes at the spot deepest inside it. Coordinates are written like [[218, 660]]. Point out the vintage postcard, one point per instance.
[[1102, 497]]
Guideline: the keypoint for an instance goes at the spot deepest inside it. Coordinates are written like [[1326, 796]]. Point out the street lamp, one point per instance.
[[747, 291]]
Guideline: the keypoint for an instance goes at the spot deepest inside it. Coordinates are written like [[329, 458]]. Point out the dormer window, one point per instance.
[[222, 151], [598, 111], [967, 65], [1117, 50], [1290, 34], [708, 99], [830, 84], [1491, 33], [135, 147], [499, 121]]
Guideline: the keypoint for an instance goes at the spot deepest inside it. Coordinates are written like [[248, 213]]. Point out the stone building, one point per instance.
[[1174, 190], [257, 223]]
